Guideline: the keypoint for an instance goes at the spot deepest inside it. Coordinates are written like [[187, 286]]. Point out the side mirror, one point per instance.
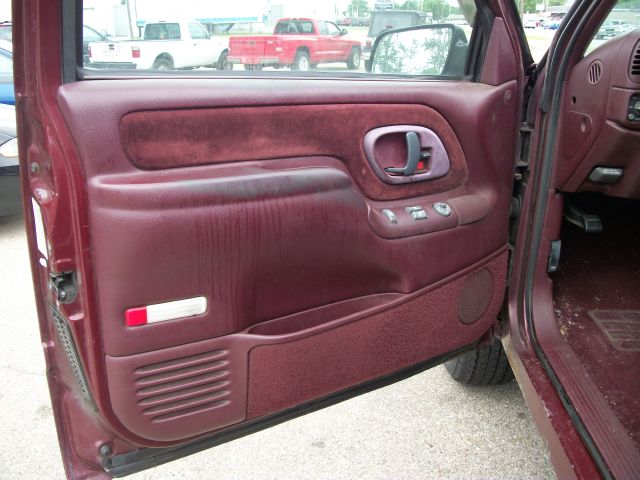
[[420, 50], [343, 31]]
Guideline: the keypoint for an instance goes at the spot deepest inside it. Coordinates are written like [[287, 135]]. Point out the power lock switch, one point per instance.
[[633, 111]]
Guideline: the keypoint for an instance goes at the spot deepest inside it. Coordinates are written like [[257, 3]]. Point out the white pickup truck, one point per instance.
[[165, 45]]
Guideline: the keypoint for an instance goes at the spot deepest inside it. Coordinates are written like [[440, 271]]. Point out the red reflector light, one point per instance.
[[135, 52], [136, 316], [420, 166]]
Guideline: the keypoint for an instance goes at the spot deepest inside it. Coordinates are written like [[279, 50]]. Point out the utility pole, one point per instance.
[[129, 18]]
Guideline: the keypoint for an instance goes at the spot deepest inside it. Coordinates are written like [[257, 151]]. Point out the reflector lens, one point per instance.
[[136, 316]]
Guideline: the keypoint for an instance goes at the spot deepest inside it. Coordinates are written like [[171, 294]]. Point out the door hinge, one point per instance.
[[64, 286]]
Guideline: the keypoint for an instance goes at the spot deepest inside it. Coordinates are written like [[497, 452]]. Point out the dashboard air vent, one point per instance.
[[634, 67], [595, 72]]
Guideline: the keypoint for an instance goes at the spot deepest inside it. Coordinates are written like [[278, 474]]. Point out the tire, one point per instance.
[[162, 64], [482, 366], [223, 64], [301, 63], [353, 62]]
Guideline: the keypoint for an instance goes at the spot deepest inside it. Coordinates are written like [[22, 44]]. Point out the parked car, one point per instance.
[[531, 23], [10, 201], [360, 22], [298, 43], [7, 94], [383, 20], [165, 45], [344, 21], [551, 25], [612, 28]]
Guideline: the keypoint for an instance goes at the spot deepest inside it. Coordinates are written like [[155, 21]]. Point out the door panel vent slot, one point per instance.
[[634, 67], [183, 386], [595, 72]]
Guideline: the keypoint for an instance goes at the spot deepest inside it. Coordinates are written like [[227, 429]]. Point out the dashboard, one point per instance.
[[599, 147]]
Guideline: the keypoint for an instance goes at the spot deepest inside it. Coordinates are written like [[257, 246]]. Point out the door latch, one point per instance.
[[64, 286], [414, 156]]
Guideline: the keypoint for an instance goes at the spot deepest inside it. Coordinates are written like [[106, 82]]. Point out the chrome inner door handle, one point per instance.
[[414, 156]]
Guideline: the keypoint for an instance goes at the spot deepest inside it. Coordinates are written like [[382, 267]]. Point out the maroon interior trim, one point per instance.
[[169, 395], [169, 139], [360, 351], [244, 233], [595, 130], [500, 62]]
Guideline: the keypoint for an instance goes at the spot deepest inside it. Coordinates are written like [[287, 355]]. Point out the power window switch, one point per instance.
[[390, 215], [419, 215], [413, 209]]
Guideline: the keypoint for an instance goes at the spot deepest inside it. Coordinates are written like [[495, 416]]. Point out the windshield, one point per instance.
[[5, 32], [6, 67]]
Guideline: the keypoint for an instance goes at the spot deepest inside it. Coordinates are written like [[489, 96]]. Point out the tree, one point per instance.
[[528, 6], [409, 5], [358, 8]]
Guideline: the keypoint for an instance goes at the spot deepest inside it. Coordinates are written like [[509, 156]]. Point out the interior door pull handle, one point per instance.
[[414, 156]]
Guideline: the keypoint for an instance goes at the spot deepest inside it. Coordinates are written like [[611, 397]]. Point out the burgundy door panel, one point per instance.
[[174, 393], [193, 232], [265, 204]]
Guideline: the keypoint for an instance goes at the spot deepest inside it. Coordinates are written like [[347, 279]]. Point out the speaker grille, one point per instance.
[[183, 386]]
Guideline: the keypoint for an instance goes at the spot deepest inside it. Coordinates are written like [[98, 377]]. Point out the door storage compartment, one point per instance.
[[322, 315]]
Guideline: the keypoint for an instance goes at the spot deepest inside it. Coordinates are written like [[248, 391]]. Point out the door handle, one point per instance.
[[414, 156], [381, 150]]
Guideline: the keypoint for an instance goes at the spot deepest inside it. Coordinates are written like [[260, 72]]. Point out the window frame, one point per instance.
[[73, 69]]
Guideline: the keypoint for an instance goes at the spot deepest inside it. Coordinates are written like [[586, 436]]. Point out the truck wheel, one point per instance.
[[162, 64], [223, 64], [482, 366], [353, 62], [301, 62]]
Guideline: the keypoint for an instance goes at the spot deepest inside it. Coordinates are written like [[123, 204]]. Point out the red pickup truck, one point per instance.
[[299, 43]]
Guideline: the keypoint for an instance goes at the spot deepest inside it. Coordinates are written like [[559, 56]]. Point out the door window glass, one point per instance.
[[263, 37]]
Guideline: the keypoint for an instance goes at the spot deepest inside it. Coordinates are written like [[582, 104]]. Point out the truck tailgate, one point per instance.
[[254, 46]]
